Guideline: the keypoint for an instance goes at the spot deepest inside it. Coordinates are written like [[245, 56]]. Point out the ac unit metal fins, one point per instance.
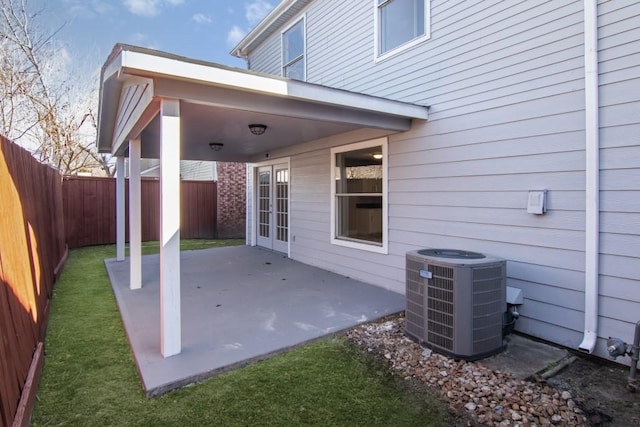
[[455, 301]]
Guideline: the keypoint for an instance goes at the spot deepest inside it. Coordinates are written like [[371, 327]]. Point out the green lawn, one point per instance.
[[90, 377]]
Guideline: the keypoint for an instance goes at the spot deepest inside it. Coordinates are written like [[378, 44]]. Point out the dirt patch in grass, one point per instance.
[[588, 392], [600, 389]]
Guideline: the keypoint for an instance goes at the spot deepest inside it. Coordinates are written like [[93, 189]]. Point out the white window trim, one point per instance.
[[303, 18], [384, 248], [377, 57]]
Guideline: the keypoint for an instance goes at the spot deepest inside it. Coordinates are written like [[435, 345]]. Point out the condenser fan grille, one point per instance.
[[488, 305], [414, 313], [440, 323]]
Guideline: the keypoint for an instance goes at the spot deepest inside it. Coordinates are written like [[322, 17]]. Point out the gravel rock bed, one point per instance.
[[488, 397]]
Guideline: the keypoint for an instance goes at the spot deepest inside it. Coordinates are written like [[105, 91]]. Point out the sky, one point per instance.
[[199, 29]]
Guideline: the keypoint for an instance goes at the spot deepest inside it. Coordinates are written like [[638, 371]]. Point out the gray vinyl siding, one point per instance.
[[190, 170], [310, 196], [268, 58], [619, 37], [198, 170], [505, 86]]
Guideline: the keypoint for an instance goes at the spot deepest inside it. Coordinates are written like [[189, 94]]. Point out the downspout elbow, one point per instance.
[[588, 343]]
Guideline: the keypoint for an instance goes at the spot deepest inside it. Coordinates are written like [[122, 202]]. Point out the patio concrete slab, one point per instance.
[[239, 304]]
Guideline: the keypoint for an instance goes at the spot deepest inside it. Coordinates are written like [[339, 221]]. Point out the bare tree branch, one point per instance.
[[37, 107]]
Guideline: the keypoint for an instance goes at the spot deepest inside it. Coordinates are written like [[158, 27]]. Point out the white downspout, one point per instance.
[[592, 172]]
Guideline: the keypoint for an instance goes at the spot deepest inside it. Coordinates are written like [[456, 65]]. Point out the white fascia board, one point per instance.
[[108, 103], [135, 62], [343, 98], [148, 65], [113, 67]]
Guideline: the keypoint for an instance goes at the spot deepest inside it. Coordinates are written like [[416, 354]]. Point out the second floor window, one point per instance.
[[293, 47], [400, 24]]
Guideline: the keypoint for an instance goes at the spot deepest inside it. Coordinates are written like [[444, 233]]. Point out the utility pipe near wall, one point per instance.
[[635, 358], [592, 172], [617, 347]]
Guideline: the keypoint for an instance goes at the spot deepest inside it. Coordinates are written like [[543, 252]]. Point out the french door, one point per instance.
[[272, 201]]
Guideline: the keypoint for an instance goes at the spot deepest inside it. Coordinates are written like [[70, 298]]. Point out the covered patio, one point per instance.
[[240, 304], [162, 106]]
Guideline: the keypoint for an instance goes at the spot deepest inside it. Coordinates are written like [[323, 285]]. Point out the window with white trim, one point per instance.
[[400, 24], [359, 195], [293, 51]]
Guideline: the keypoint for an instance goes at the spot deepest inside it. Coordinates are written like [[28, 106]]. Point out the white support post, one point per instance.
[[170, 317], [120, 226], [135, 216]]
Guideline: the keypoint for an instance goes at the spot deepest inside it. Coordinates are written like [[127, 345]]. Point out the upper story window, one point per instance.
[[400, 24], [293, 51]]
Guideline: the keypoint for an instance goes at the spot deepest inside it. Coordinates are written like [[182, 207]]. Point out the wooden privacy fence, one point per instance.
[[90, 215], [32, 251], [38, 213]]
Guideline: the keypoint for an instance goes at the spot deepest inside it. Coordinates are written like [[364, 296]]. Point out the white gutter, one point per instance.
[[282, 7], [592, 172]]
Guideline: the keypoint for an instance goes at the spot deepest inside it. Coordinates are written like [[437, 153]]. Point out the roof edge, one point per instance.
[[127, 60], [147, 62], [266, 25]]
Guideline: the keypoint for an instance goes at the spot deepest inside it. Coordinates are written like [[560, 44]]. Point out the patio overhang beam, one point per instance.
[[148, 63], [280, 106], [152, 75]]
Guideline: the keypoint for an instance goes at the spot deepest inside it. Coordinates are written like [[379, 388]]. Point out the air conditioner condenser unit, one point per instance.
[[455, 301]]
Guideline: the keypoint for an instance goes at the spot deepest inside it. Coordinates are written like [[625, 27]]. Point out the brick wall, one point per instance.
[[231, 200]]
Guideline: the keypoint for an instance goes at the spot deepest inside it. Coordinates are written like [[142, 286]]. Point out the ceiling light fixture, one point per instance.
[[377, 156], [257, 129], [216, 146]]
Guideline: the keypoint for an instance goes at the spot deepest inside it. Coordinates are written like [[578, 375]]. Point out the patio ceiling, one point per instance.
[[218, 103]]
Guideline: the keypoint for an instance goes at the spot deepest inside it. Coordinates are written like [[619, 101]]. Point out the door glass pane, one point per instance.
[[282, 205], [264, 190]]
